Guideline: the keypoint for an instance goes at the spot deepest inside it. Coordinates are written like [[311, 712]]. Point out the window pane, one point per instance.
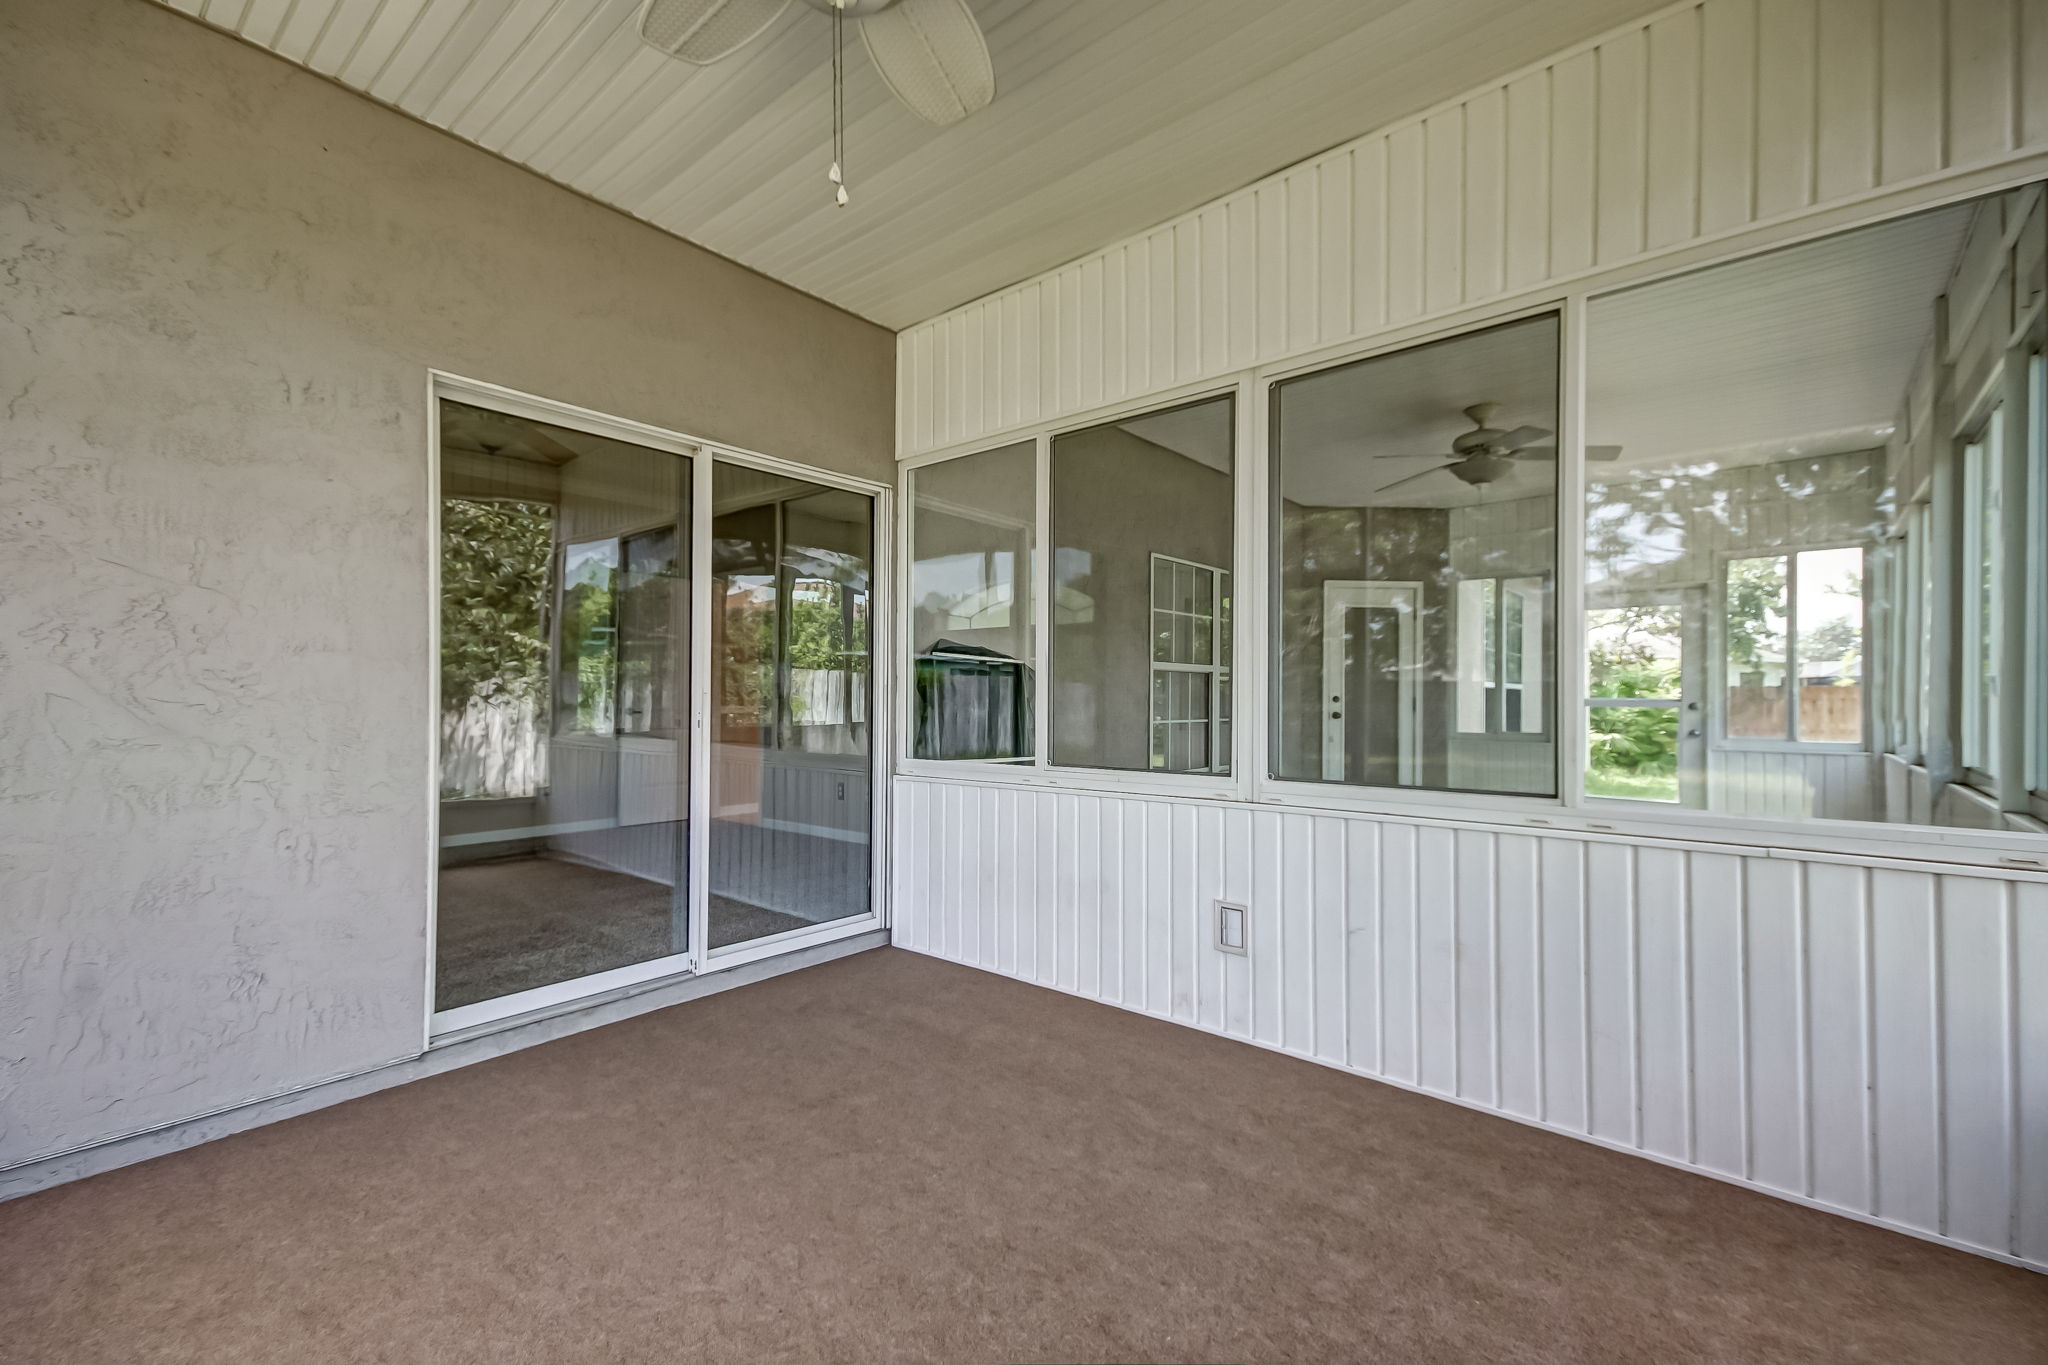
[[1753, 621], [1830, 646], [1775, 467], [1141, 526], [790, 571], [971, 526], [564, 750], [1414, 493]]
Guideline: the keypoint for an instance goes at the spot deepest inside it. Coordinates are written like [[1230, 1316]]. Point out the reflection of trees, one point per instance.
[[1625, 662], [494, 587], [1755, 611]]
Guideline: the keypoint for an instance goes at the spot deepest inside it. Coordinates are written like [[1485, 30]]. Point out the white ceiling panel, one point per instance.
[[1110, 116]]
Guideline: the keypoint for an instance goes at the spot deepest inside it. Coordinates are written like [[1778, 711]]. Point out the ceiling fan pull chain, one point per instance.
[[837, 174]]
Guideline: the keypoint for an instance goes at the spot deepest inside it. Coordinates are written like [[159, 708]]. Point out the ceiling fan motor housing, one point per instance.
[[1483, 468]]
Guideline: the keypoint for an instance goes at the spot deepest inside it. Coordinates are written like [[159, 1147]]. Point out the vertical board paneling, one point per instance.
[[1610, 980], [1518, 975], [1981, 42], [1707, 118], [1443, 255], [1621, 144], [1671, 187], [1335, 291], [1485, 208], [1837, 1061], [1660, 971], [2030, 1066], [1848, 98], [1874, 1040], [1904, 1033], [1574, 121], [1785, 103], [1528, 181], [1775, 1019], [1728, 113], [1369, 217], [1475, 910], [1719, 1042], [1436, 959], [1405, 227], [1912, 70], [1976, 1037]]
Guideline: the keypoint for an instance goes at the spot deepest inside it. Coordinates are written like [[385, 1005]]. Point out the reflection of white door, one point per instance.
[[1669, 625], [1347, 606]]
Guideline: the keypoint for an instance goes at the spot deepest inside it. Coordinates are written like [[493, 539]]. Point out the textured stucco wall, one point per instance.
[[222, 281]]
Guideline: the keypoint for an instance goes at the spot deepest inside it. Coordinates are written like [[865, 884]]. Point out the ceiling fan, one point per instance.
[[931, 53], [1487, 453]]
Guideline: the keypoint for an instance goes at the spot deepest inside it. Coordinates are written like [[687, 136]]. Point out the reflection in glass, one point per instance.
[[1775, 495], [564, 763], [971, 527], [1415, 528], [790, 651], [1141, 527], [1754, 621], [1636, 667]]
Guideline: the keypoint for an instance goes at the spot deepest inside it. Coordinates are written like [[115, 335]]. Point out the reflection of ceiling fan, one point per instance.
[[931, 53], [1487, 453]]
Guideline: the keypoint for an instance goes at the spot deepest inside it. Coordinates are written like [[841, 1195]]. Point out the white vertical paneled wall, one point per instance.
[[1709, 118], [1869, 1039]]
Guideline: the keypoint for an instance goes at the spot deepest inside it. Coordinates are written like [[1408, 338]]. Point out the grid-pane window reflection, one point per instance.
[[1141, 528], [1812, 591], [1415, 531]]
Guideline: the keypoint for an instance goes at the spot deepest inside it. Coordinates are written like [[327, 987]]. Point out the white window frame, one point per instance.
[[1717, 655], [1936, 846], [1217, 670]]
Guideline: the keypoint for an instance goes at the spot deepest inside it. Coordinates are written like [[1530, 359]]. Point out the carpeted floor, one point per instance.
[[890, 1158]]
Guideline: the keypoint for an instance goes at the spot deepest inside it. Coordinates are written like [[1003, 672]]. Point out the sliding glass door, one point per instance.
[[791, 565], [601, 602]]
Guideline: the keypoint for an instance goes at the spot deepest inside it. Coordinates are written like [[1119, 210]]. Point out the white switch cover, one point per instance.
[[1230, 928]]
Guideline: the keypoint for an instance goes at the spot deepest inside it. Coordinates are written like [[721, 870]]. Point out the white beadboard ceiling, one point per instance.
[[1111, 116], [1801, 352]]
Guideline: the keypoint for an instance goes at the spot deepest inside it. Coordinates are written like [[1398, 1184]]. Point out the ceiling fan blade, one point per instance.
[[1432, 455], [1550, 453], [704, 31], [933, 57], [1524, 436], [1388, 488]]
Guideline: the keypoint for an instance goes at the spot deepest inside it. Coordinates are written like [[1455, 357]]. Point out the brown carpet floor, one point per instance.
[[511, 924], [891, 1158]]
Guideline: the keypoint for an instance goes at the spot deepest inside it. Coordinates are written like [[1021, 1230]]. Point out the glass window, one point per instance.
[[564, 725], [790, 649], [2037, 569], [1141, 527], [972, 521], [1770, 489], [1981, 596], [1415, 525]]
